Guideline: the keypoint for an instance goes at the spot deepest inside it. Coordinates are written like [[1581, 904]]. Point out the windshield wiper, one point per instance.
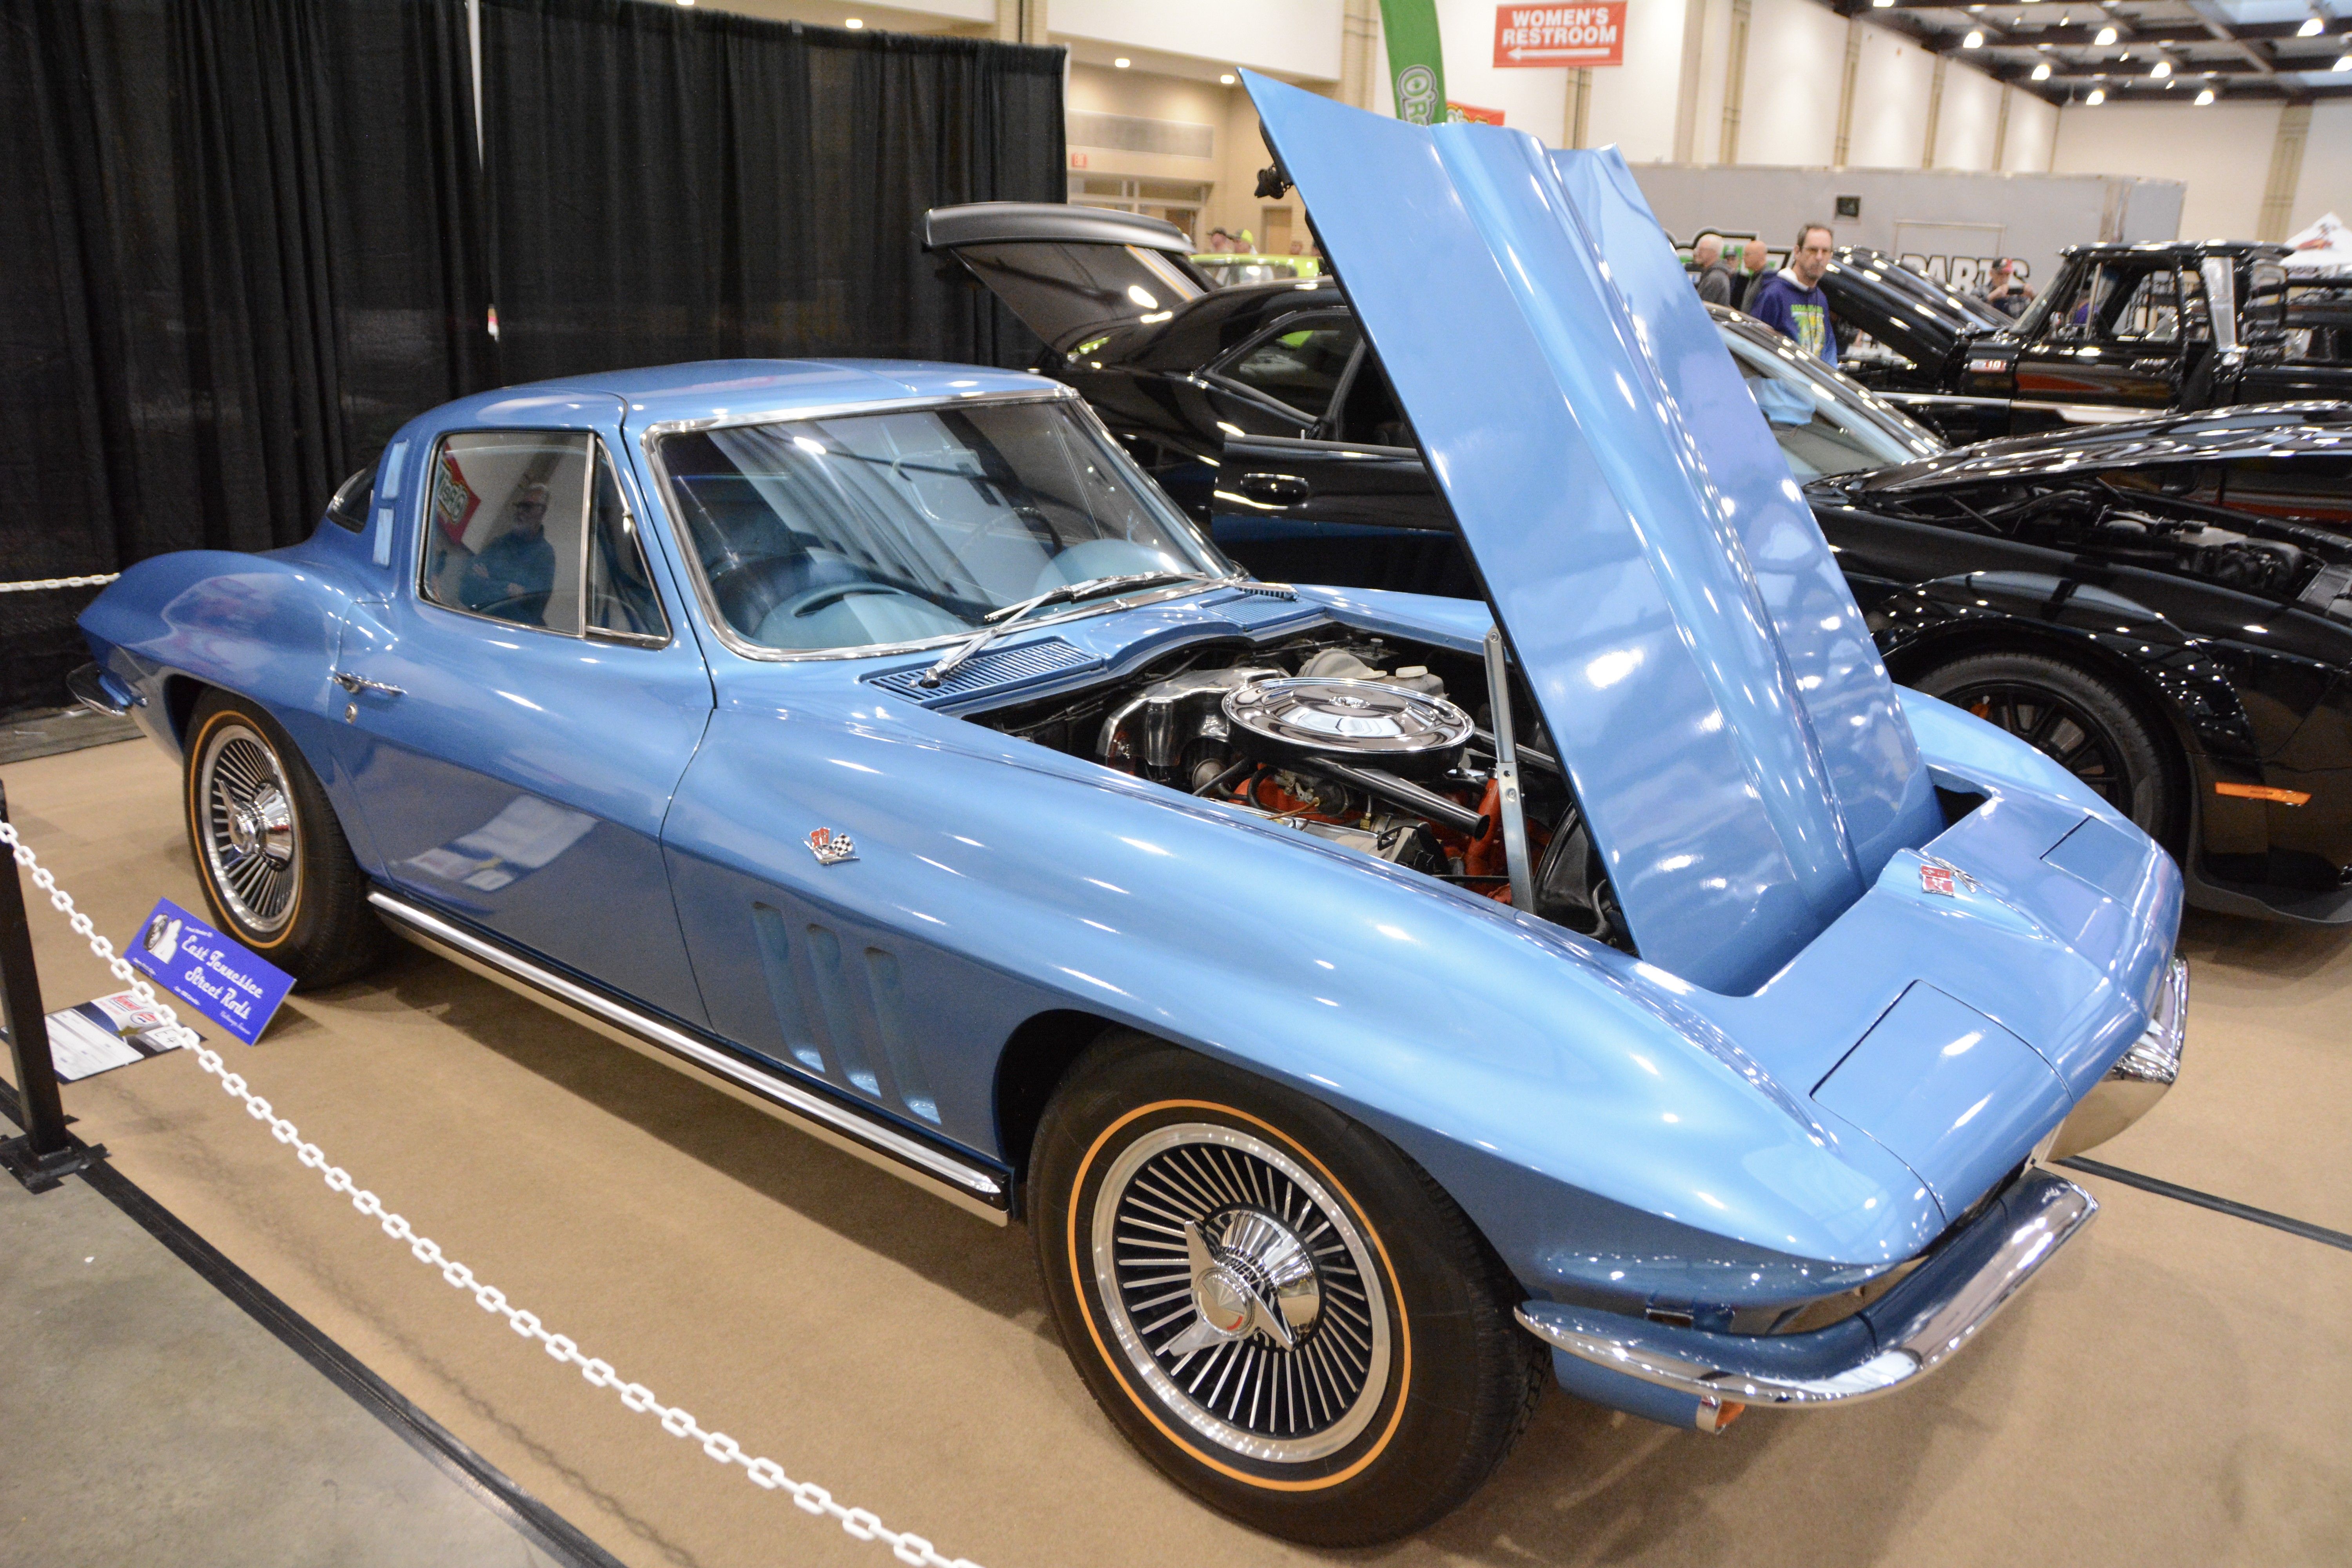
[[996, 623]]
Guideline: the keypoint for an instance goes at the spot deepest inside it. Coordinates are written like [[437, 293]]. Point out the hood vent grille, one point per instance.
[[984, 671]]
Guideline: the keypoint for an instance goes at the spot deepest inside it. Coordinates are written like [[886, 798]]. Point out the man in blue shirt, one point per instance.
[[1792, 299], [514, 575]]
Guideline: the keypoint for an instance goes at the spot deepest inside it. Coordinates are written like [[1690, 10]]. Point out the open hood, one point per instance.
[[1070, 273], [1918, 318], [1695, 657]]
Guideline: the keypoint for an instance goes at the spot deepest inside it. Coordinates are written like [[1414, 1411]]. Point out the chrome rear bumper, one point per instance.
[[2139, 1077], [1895, 1340]]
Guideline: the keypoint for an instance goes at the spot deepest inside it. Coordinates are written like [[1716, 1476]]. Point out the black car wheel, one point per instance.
[[2078, 720], [276, 870], [1280, 1309]]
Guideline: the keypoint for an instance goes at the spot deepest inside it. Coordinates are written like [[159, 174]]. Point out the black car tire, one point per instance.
[[2077, 718], [1410, 1336], [277, 872]]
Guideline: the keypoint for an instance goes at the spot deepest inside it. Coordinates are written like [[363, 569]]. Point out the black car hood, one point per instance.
[[1908, 312], [2258, 430], [1074, 275]]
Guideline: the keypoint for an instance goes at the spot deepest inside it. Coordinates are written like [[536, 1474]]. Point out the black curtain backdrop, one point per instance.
[[241, 241], [226, 273], [672, 184]]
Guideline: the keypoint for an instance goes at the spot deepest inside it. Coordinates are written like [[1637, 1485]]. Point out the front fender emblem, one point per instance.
[[1936, 877], [831, 848]]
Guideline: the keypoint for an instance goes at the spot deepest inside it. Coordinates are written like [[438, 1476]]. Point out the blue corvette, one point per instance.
[[1375, 1006]]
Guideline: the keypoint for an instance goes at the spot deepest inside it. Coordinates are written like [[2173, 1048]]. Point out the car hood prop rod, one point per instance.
[[1506, 774]]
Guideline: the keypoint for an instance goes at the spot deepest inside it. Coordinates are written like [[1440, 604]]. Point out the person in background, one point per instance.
[[1220, 241], [514, 576], [1755, 266], [1717, 284], [1792, 299], [2003, 290]]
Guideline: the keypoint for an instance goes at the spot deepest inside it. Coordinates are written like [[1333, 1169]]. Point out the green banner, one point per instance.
[[1417, 63]]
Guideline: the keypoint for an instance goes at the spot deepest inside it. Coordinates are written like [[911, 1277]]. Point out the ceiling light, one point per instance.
[[2107, 37], [2041, 70], [1226, 79], [2098, 96], [1122, 62], [1975, 40], [2204, 96], [2161, 70], [854, 22], [1882, 4], [2312, 28]]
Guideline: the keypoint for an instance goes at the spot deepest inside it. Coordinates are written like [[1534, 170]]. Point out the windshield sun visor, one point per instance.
[[1694, 655]]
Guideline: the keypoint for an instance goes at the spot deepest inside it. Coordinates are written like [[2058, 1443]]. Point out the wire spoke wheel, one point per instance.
[[247, 830], [2059, 729], [1241, 1292]]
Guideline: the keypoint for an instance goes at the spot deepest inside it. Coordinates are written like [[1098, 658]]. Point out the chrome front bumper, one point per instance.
[[93, 689], [2139, 1077], [1895, 1340]]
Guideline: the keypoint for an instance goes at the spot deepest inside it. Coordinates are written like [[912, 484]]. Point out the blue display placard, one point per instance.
[[216, 975]]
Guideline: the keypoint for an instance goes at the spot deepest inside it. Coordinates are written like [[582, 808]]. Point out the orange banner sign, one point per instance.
[[1527, 36]]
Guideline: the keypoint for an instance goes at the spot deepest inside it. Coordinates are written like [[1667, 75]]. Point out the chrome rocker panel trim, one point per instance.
[[966, 1183], [1900, 1337]]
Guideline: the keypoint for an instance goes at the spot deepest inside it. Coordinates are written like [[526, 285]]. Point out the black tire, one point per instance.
[[277, 872], [1143, 1133], [2081, 721]]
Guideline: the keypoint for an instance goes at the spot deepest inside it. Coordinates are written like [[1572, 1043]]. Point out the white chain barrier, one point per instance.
[[765, 1473], [35, 585]]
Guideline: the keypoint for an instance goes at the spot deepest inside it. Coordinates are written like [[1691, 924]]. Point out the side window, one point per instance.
[[620, 591], [505, 516], [1302, 367], [2127, 304]]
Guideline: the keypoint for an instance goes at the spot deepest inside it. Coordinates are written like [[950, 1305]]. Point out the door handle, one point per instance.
[[355, 684], [1278, 490]]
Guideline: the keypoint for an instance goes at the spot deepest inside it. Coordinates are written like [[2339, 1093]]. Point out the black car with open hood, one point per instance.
[[2124, 332]]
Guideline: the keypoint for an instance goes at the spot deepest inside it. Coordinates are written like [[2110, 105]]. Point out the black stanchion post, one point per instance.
[[47, 1153]]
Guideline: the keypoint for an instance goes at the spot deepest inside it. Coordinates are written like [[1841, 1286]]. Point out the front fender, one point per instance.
[[1557, 1088]]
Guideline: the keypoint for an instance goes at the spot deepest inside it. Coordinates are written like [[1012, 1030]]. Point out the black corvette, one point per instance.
[[2165, 606]]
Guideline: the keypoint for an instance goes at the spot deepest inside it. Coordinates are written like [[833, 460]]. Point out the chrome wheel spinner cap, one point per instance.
[[1256, 1278]]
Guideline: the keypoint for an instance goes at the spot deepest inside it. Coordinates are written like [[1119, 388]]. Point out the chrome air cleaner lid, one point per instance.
[[1361, 722]]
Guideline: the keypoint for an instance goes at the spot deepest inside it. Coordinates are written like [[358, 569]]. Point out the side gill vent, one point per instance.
[[990, 668], [826, 1016]]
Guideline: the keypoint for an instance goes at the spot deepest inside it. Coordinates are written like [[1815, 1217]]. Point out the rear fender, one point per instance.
[[264, 627]]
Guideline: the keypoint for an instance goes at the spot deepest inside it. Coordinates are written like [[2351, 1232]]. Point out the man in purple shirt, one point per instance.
[[1792, 299]]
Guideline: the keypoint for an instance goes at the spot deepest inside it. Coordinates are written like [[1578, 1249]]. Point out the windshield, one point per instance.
[[1825, 424], [874, 529]]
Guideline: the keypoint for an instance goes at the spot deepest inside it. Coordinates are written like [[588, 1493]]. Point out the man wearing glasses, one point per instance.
[[514, 575]]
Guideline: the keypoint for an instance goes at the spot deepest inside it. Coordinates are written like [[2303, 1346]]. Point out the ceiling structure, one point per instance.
[[2138, 51]]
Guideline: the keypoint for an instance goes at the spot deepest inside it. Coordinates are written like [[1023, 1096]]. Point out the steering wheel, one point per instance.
[[501, 609]]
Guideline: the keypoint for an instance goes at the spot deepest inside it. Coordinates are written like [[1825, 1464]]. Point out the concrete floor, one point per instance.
[[2170, 1392], [150, 1421]]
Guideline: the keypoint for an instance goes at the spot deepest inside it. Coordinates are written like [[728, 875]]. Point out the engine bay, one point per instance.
[[2129, 518], [1387, 747]]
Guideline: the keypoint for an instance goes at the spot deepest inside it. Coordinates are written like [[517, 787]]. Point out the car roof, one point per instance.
[[2182, 248], [734, 388]]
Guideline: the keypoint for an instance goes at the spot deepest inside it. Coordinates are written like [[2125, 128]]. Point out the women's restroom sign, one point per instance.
[[211, 973], [1589, 35]]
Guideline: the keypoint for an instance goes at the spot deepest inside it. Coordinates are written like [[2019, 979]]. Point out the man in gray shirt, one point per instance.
[[1717, 281]]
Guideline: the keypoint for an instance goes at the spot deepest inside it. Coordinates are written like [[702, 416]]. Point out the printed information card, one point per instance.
[[213, 974], [111, 1032]]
